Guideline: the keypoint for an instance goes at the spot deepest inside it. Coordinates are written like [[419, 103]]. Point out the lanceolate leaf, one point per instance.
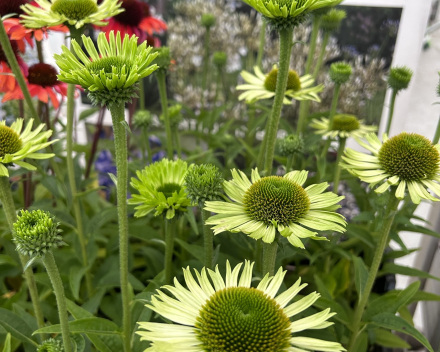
[[97, 326], [361, 275], [16, 326], [391, 268], [388, 339]]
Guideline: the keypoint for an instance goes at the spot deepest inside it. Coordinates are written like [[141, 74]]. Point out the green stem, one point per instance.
[[208, 239], [177, 141], [304, 107], [11, 216], [283, 71], [391, 112], [120, 136], [39, 46], [205, 65], [73, 189], [377, 259], [170, 229], [142, 94], [58, 289], [313, 40], [147, 145], [437, 134], [259, 256], [321, 55], [269, 257], [331, 117], [290, 161], [262, 43], [15, 67], [262, 152], [337, 177], [164, 101]]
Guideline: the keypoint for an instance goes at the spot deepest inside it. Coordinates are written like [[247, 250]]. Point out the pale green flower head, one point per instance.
[[343, 126], [73, 13], [161, 188], [260, 86], [110, 75], [263, 205], [408, 161], [51, 345], [36, 232], [231, 315], [16, 145], [287, 13]]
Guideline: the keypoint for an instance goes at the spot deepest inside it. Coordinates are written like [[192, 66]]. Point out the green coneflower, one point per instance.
[[261, 86], [399, 77], [75, 13], [110, 77], [219, 58], [408, 161], [291, 144], [161, 188], [16, 145], [287, 13], [230, 315], [264, 205], [204, 183], [50, 345], [207, 20], [343, 126], [142, 119], [331, 21], [340, 72]]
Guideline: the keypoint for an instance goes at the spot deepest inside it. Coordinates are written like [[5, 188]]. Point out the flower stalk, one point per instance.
[[120, 136], [161, 81], [208, 240], [318, 66], [313, 40], [57, 284], [269, 257], [437, 134], [331, 117], [337, 175], [283, 71], [170, 229], [391, 110], [261, 45], [391, 212]]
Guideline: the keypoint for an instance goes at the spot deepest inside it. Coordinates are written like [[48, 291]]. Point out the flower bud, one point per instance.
[[163, 60], [331, 21], [204, 183], [291, 144], [51, 345], [208, 20], [220, 59], [399, 78], [340, 72], [142, 119]]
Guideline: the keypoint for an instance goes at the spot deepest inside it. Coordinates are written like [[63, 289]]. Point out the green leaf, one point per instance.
[[391, 301], [75, 275], [391, 268], [361, 234], [7, 345], [361, 275], [424, 296], [7, 260], [361, 344], [341, 274], [86, 113], [388, 339], [393, 322], [16, 326], [99, 326], [192, 221], [78, 341], [322, 288]]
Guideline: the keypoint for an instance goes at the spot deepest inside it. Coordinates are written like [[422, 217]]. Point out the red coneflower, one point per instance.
[[43, 83], [136, 19]]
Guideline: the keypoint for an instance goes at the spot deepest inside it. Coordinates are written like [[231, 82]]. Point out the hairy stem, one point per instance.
[[170, 229], [337, 175], [164, 101], [377, 259], [391, 112], [208, 239], [331, 117], [58, 289], [283, 72], [437, 134], [269, 257], [120, 136]]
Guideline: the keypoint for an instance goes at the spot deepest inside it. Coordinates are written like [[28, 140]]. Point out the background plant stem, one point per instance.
[[147, 145], [320, 61], [437, 134], [331, 117], [164, 101], [11, 216], [58, 289], [391, 112], [283, 71], [208, 239], [391, 211], [269, 257], [337, 176], [170, 229], [262, 43], [290, 160], [205, 65], [312, 46], [120, 136]]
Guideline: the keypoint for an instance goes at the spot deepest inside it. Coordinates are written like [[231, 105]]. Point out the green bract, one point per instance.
[[408, 161], [161, 188], [110, 76], [291, 144], [399, 78], [231, 315], [16, 145], [287, 13], [264, 205], [343, 126], [50, 345], [75, 13], [204, 182], [340, 72], [36, 232]]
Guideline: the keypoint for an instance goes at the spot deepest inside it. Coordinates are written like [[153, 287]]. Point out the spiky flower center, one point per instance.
[[134, 12], [345, 123], [74, 9], [43, 75], [11, 6], [169, 188], [10, 141], [275, 198], [410, 156], [240, 319], [293, 81], [282, 3]]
